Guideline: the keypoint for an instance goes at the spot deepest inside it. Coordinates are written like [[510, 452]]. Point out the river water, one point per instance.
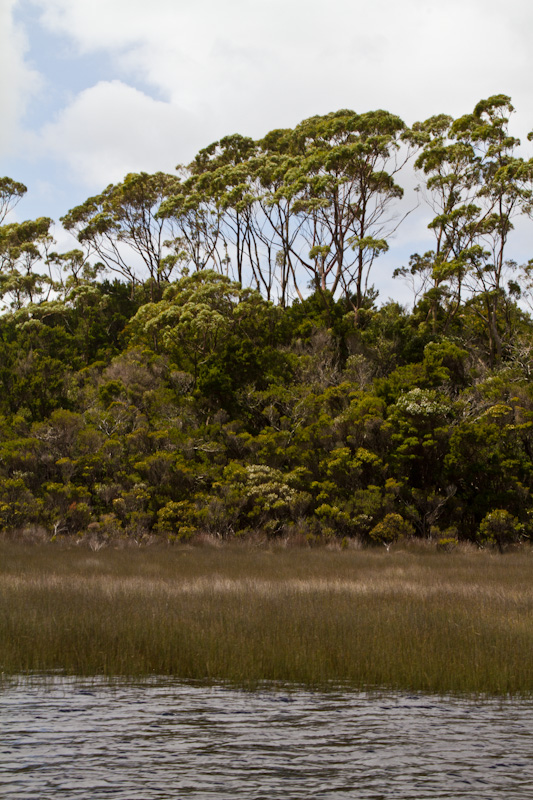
[[67, 738]]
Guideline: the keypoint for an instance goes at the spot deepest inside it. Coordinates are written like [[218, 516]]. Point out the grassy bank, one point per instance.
[[419, 620]]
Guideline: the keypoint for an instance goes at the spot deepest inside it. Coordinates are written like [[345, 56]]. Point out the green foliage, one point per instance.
[[126, 214], [390, 529], [18, 506], [267, 437], [499, 528], [10, 193], [181, 399], [446, 544], [177, 520]]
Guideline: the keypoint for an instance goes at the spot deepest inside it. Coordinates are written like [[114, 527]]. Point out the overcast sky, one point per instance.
[[93, 89]]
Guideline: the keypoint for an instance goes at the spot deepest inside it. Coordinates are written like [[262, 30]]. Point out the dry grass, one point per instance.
[[419, 620]]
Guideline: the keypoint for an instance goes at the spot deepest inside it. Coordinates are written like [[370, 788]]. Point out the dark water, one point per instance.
[[90, 740]]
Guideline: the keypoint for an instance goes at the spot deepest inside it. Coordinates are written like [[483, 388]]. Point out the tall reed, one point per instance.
[[408, 620]]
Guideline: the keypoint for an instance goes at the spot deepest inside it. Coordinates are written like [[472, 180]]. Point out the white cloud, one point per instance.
[[18, 80], [216, 67], [112, 129], [254, 65]]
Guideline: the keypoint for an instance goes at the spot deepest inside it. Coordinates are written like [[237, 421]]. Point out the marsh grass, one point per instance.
[[459, 622]]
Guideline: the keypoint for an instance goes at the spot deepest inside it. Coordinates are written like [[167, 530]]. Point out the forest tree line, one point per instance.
[[212, 358]]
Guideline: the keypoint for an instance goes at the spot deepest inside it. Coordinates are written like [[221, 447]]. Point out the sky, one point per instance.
[[94, 89]]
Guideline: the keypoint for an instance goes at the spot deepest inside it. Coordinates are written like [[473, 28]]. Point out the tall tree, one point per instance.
[[10, 193], [476, 185], [24, 261], [123, 220], [505, 191], [343, 187], [222, 172]]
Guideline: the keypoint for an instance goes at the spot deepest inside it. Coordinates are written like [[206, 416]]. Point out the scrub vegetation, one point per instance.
[[411, 619], [212, 360]]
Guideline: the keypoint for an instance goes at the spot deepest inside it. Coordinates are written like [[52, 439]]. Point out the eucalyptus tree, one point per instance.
[[505, 191], [314, 199], [476, 185], [122, 222], [223, 211], [342, 188], [24, 262], [222, 173], [10, 193], [280, 222], [231, 188], [23, 246], [211, 213], [194, 220], [451, 187]]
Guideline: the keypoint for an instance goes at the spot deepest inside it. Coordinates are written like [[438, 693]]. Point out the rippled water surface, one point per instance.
[[90, 740]]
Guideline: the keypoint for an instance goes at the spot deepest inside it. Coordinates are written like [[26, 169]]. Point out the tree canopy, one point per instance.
[[211, 357]]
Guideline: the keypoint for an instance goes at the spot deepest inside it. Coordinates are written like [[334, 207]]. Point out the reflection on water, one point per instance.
[[75, 739]]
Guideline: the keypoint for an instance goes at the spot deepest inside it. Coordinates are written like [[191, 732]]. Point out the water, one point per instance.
[[74, 739]]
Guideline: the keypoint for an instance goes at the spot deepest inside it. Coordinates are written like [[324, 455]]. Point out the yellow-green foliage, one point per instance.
[[499, 528], [391, 528]]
